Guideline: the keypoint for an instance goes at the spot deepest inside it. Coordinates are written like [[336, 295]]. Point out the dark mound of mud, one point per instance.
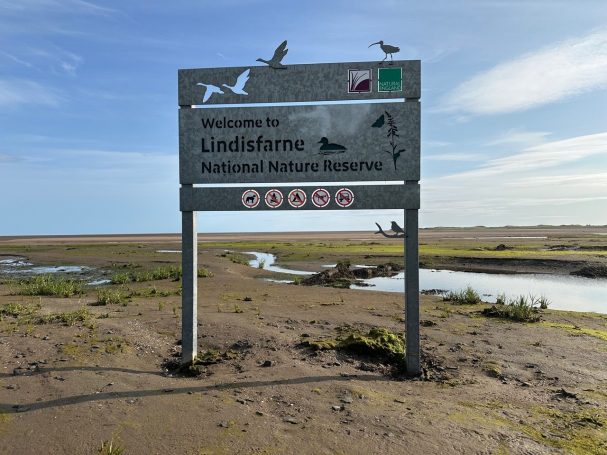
[[592, 271], [342, 275]]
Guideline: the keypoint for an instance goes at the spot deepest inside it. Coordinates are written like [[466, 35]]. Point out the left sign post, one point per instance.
[[189, 283]]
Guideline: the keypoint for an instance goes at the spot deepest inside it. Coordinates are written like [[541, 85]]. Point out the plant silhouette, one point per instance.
[[392, 135]]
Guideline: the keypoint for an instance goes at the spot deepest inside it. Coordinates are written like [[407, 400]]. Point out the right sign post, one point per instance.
[[348, 123]]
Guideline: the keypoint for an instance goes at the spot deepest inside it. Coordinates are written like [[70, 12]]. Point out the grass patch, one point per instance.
[[50, 285], [159, 273], [236, 258], [111, 297], [68, 318], [204, 273], [466, 296], [519, 309], [110, 448], [16, 310]]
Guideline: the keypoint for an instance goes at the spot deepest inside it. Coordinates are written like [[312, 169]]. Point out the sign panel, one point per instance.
[[301, 198], [300, 143], [295, 83]]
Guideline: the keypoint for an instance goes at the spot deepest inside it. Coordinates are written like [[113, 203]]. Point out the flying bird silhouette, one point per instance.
[[238, 87], [210, 89], [396, 228], [387, 49], [279, 54]]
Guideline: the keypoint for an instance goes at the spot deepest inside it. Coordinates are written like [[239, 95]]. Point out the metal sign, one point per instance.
[[336, 143], [243, 142]]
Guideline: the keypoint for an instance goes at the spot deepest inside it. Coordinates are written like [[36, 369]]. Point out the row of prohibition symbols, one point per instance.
[[297, 198]]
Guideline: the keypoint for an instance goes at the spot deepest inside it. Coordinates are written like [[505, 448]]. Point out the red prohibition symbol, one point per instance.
[[274, 198], [250, 199], [321, 198], [344, 197], [297, 198]]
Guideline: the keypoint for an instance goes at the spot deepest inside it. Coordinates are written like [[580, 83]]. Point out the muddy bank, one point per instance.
[[343, 275], [515, 265]]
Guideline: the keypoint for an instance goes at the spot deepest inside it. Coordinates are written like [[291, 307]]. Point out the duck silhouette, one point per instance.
[[328, 148]]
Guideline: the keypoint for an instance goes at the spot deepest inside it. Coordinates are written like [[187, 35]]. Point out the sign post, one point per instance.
[[288, 146]]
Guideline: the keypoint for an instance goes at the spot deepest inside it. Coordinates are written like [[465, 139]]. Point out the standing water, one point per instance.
[[564, 292]]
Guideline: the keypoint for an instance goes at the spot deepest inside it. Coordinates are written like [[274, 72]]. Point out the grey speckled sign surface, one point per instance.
[[298, 83], [329, 143], [342, 197]]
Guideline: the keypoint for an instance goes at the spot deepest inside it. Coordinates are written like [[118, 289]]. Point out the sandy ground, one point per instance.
[[490, 386]]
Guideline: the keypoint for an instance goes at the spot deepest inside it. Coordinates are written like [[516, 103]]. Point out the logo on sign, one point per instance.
[[274, 198], [359, 81], [389, 79], [297, 198], [344, 197], [321, 198], [250, 199]]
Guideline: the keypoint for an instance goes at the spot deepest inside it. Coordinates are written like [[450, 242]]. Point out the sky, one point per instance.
[[514, 106]]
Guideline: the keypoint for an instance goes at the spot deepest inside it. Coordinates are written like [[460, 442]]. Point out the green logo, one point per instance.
[[389, 79]]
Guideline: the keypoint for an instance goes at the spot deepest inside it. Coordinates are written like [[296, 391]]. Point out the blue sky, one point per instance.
[[514, 106]]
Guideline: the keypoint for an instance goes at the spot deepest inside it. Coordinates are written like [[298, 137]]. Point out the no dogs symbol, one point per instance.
[[274, 199], [250, 199], [321, 198], [297, 198], [344, 197]]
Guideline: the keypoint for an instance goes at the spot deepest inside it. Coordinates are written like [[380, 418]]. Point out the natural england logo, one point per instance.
[[359, 81], [389, 79]]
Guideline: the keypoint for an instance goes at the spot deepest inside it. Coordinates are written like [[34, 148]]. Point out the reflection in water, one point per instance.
[[563, 291], [268, 261]]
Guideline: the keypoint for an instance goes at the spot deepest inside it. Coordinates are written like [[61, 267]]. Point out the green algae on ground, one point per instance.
[[582, 432], [378, 342], [576, 330]]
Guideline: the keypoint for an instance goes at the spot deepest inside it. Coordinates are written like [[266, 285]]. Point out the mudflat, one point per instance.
[[99, 366]]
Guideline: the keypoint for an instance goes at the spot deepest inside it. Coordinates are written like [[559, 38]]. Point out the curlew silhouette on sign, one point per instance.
[[387, 49], [279, 54], [238, 87]]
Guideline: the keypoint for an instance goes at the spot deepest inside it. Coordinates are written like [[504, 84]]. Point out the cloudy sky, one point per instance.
[[514, 106]]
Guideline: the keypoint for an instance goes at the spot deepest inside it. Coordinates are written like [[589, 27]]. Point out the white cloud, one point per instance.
[[18, 91], [559, 180], [53, 5], [517, 137], [550, 154], [566, 69], [453, 157]]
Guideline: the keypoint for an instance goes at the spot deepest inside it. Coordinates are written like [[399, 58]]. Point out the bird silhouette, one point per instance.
[[210, 89], [279, 54], [238, 87], [387, 49], [396, 228], [379, 122], [330, 149]]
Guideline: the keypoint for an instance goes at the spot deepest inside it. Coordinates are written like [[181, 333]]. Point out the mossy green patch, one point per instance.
[[576, 330], [321, 345], [378, 342]]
